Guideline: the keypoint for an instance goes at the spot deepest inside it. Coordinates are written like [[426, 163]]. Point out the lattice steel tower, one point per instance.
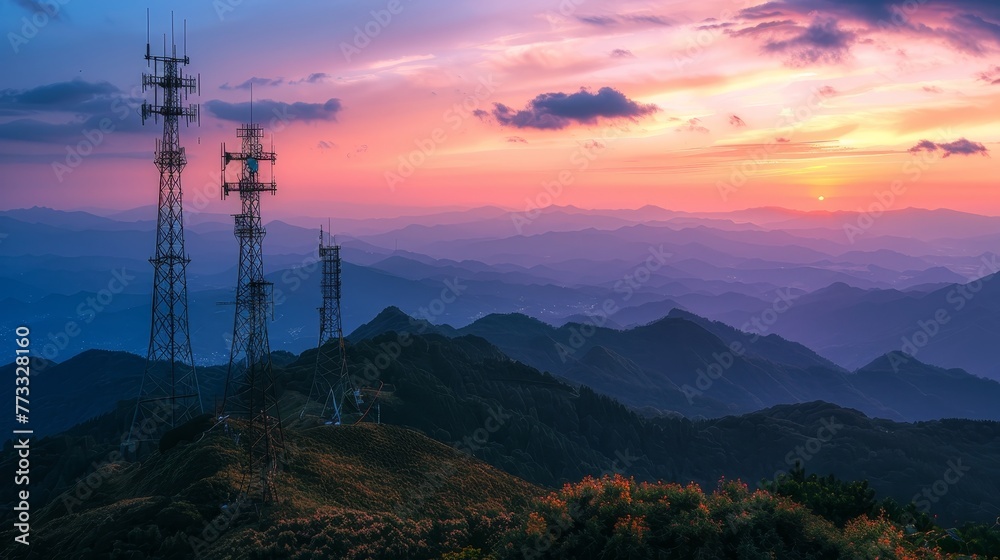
[[250, 391], [169, 394], [333, 395]]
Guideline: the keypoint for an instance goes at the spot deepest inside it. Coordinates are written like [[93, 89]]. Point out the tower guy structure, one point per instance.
[[333, 395], [169, 394], [250, 389]]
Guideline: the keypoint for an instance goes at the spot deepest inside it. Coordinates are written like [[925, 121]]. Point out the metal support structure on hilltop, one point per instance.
[[250, 387], [337, 397], [169, 394], [334, 396]]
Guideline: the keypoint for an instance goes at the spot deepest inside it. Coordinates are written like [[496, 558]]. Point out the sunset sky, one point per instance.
[[712, 105]]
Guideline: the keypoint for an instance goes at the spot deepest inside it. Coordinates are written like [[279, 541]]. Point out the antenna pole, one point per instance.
[[169, 381], [250, 391]]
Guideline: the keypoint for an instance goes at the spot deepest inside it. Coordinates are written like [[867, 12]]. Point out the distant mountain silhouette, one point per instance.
[[950, 326], [92, 383], [689, 365], [922, 392]]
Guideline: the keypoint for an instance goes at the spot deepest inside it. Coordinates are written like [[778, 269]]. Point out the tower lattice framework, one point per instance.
[[334, 395], [169, 393], [250, 387]]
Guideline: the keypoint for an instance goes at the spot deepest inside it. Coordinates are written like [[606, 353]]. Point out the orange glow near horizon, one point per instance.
[[744, 115]]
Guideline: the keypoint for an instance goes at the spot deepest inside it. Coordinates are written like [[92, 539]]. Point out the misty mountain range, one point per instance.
[[907, 283], [698, 315]]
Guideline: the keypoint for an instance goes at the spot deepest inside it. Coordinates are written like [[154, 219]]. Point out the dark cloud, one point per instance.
[[558, 110], [763, 11], [966, 24], [736, 121], [324, 145], [516, 140], [932, 89], [622, 53], [76, 96], [34, 130], [267, 109], [961, 147], [255, 81], [693, 125], [59, 113], [822, 42]]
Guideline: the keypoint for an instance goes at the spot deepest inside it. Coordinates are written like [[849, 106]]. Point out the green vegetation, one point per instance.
[[615, 517], [465, 470]]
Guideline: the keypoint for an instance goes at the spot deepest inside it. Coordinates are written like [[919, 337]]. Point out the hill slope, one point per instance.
[[366, 475]]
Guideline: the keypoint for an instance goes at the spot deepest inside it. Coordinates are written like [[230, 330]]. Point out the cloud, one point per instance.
[[622, 53], [516, 139], [713, 26], [827, 91], [267, 109], [35, 130], [324, 145], [75, 96], [760, 28], [966, 24], [822, 42], [314, 78], [736, 121], [598, 20], [933, 89], [633, 20], [961, 147], [763, 11], [60, 112], [554, 111], [693, 125], [255, 81], [651, 20], [991, 76]]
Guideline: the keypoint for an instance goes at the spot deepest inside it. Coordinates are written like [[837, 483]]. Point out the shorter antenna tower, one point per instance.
[[335, 397], [332, 387]]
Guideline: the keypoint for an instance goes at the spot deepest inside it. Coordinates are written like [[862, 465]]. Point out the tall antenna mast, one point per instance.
[[169, 388], [250, 385]]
